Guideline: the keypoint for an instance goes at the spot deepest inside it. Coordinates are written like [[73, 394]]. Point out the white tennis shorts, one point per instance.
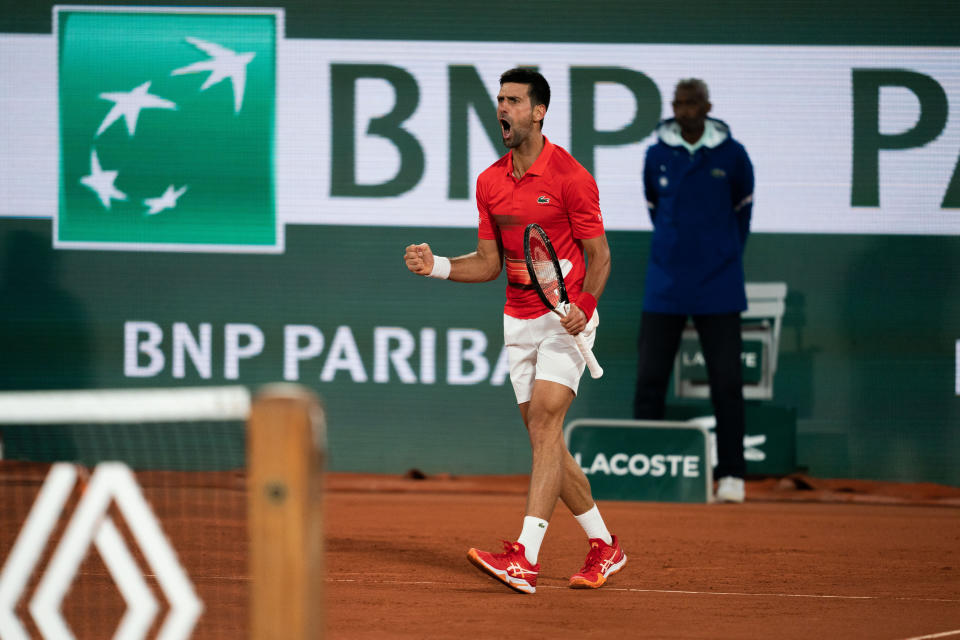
[[541, 349]]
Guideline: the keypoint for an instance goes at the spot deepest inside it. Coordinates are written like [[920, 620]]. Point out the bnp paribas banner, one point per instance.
[[191, 196], [205, 129]]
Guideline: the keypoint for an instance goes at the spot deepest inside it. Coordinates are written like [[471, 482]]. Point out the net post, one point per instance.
[[286, 449]]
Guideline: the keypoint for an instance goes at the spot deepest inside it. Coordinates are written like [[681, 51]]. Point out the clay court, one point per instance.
[[801, 559]]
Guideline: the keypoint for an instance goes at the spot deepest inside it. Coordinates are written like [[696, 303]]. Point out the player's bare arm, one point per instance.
[[482, 265], [598, 270]]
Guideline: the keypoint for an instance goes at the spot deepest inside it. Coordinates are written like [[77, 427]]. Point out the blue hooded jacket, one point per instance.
[[700, 204]]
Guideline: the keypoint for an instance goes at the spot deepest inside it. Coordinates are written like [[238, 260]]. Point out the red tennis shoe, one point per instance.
[[511, 567], [602, 561]]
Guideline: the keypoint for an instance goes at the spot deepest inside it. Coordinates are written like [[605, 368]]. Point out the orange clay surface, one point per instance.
[[802, 558]]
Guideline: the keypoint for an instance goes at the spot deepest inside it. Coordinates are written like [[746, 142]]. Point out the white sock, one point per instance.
[[593, 525], [532, 537]]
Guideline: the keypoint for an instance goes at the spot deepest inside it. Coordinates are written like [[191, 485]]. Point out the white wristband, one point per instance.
[[441, 268]]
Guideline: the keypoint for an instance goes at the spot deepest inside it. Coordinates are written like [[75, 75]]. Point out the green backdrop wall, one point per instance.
[[867, 354]]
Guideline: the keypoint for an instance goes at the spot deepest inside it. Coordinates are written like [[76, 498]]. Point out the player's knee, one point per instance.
[[544, 430]]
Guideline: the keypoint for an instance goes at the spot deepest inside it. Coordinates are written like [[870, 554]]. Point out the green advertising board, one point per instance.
[[170, 220], [647, 460], [769, 441], [183, 155]]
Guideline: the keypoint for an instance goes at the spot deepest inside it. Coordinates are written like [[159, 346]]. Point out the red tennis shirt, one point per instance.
[[558, 194]]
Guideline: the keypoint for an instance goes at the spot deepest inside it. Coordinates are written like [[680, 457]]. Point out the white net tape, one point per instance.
[[125, 405]]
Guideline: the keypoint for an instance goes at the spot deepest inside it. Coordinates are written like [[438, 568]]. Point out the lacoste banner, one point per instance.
[[770, 441], [649, 460], [167, 128]]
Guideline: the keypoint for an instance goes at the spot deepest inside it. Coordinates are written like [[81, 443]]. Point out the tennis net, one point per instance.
[[127, 513]]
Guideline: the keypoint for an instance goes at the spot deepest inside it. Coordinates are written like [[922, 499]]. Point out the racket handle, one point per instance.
[[595, 369]]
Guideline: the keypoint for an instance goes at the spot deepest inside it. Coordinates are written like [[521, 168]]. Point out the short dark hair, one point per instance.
[[539, 89], [697, 86]]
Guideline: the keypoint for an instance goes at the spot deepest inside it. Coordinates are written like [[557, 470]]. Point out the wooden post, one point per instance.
[[286, 436]]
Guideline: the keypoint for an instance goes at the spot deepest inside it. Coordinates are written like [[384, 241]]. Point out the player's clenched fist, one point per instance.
[[419, 258], [575, 321]]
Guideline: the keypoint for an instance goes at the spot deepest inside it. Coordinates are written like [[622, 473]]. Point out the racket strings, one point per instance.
[[544, 270]]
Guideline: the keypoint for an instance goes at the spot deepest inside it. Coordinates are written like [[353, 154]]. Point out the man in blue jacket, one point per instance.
[[699, 188]]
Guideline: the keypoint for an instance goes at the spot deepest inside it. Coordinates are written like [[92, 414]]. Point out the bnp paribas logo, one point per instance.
[[167, 120]]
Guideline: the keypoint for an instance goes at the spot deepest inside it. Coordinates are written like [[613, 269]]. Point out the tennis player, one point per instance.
[[537, 181]]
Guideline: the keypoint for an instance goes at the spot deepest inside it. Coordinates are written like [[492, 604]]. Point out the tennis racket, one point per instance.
[[547, 279]]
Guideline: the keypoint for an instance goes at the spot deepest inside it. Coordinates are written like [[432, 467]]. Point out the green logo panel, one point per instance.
[[167, 129], [642, 460]]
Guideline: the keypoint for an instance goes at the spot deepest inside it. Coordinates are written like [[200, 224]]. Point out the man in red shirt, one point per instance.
[[540, 182]]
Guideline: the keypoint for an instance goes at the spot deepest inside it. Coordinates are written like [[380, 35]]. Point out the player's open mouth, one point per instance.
[[505, 127]]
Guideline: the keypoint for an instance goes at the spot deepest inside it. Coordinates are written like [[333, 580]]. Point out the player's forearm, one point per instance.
[[474, 267], [595, 281], [482, 265], [598, 266]]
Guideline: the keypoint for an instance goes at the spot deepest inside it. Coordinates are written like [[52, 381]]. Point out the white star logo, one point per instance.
[[101, 182], [167, 201], [223, 63], [128, 104]]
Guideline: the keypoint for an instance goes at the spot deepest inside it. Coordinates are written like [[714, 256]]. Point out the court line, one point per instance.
[[786, 595], [943, 634], [677, 591]]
